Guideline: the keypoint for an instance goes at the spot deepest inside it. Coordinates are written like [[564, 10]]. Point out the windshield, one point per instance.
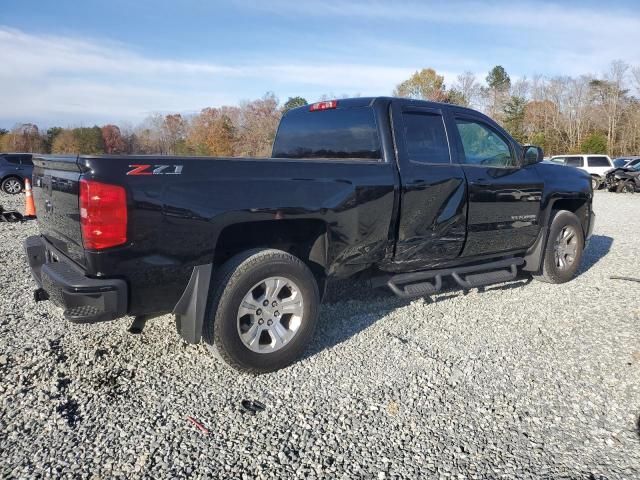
[[619, 162]]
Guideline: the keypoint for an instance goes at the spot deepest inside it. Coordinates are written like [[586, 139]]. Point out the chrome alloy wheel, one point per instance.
[[270, 314], [12, 186], [566, 247]]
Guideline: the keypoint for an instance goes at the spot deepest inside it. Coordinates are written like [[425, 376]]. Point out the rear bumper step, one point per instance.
[[416, 284], [84, 299]]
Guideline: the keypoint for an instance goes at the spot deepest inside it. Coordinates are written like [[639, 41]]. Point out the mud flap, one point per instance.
[[190, 309]]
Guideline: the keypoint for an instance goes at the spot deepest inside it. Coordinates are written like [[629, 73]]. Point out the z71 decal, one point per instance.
[[155, 170]]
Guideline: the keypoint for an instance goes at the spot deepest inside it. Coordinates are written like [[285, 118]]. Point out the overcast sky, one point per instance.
[[82, 62]]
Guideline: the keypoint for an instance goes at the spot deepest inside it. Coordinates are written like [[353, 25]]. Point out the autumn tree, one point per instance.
[[425, 84], [89, 140], [212, 133], [174, 130], [65, 142], [23, 138], [112, 140], [257, 125]]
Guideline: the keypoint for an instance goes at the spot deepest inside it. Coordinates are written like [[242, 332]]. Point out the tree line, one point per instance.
[[244, 130], [562, 114]]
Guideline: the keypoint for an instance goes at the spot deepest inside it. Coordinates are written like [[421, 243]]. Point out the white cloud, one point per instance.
[[59, 79], [557, 36], [521, 15]]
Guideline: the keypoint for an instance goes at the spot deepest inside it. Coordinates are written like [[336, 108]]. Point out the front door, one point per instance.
[[504, 196]]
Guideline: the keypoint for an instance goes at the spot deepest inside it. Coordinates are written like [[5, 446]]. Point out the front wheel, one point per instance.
[[626, 187], [595, 183], [563, 252], [262, 311], [11, 185]]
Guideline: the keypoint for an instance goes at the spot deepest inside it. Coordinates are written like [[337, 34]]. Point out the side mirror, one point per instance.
[[531, 154]]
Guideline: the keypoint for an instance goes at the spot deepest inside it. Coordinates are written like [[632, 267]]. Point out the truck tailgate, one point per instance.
[[56, 191]]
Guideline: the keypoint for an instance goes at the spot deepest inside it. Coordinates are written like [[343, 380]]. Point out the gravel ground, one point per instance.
[[520, 380]]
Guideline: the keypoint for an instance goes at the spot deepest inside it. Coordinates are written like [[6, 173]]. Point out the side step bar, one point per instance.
[[417, 284]]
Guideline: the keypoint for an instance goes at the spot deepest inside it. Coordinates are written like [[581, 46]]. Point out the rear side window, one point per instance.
[[348, 133], [425, 137], [598, 161], [26, 160], [574, 161], [13, 159]]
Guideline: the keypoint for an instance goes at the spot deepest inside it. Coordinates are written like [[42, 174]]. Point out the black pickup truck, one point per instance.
[[408, 193]]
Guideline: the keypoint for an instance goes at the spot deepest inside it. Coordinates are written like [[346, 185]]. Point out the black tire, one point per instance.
[[626, 187], [12, 185], [595, 183], [551, 272], [231, 283]]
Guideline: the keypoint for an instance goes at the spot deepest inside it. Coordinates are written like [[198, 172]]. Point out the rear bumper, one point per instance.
[[83, 299]]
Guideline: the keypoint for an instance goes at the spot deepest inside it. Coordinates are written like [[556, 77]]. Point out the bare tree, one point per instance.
[[468, 87], [609, 94]]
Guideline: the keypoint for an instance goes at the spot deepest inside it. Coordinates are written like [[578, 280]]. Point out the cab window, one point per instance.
[[483, 145], [574, 161], [425, 138]]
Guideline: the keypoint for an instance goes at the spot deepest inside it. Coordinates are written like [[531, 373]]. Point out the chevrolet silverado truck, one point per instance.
[[412, 194]]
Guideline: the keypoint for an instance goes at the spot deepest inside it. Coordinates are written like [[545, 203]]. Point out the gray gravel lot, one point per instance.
[[520, 380]]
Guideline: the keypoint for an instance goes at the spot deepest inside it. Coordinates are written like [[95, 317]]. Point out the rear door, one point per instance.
[[598, 164], [504, 196], [432, 223]]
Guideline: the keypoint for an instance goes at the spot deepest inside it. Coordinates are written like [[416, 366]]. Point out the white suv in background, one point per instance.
[[594, 165]]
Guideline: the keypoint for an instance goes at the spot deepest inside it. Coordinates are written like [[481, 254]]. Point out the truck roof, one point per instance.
[[369, 101]]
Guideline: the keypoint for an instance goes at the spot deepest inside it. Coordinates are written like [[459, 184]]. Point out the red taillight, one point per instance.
[[103, 215], [328, 105]]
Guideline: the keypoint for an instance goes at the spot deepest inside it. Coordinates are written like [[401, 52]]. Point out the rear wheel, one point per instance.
[[626, 187], [263, 310], [563, 252], [11, 185]]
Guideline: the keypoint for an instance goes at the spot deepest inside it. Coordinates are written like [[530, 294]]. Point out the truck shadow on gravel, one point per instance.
[[598, 248], [377, 304], [370, 305]]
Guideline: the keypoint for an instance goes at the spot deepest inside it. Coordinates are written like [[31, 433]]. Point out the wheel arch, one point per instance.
[[306, 239], [579, 206]]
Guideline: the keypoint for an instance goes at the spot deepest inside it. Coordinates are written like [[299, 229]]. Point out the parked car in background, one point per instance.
[[14, 168], [595, 165], [624, 179], [626, 161]]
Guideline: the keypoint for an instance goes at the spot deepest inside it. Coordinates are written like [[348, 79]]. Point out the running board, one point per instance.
[[417, 284]]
